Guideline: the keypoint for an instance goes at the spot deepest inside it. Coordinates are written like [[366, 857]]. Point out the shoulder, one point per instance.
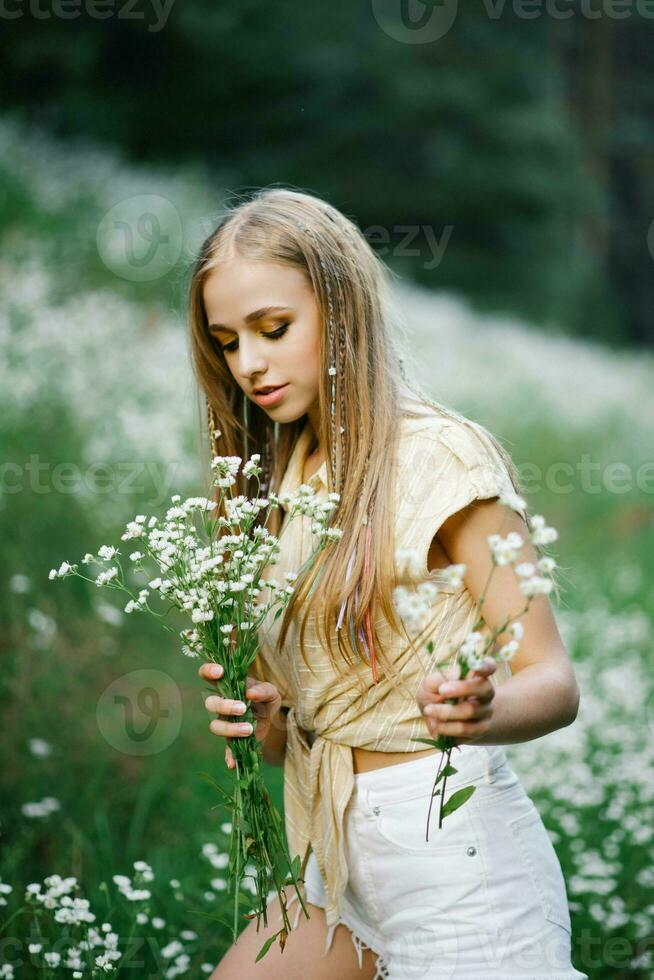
[[454, 448]]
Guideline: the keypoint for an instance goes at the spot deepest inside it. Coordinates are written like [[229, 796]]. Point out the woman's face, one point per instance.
[[266, 320]]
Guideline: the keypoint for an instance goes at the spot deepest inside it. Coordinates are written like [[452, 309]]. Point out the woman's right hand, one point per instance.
[[266, 702]]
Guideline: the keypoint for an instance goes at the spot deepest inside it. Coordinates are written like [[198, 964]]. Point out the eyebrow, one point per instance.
[[251, 317]]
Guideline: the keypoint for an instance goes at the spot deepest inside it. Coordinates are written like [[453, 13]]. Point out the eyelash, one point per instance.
[[275, 334]]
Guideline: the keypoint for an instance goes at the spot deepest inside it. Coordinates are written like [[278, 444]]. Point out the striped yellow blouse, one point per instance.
[[443, 465]]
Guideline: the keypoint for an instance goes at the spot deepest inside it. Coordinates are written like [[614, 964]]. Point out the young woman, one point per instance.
[[287, 295]]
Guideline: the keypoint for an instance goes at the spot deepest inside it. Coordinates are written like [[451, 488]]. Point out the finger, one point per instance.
[[233, 729], [460, 730], [463, 711], [224, 706], [263, 693], [480, 686], [433, 680], [229, 758], [210, 672]]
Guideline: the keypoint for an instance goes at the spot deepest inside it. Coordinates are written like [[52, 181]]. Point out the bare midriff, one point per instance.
[[363, 760]]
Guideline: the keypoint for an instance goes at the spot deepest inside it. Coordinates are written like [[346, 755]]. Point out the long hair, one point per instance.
[[302, 231]]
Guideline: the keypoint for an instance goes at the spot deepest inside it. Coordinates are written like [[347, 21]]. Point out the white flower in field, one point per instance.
[[133, 530], [427, 590], [218, 884], [109, 613], [155, 583], [172, 949], [202, 616], [122, 881], [39, 747], [505, 550], [188, 935], [226, 828], [107, 551], [158, 923], [144, 870], [138, 894], [88, 558], [5, 889], [536, 586], [52, 958], [206, 967], [472, 644], [19, 583], [132, 606], [142, 918], [406, 560], [517, 630], [62, 571], [209, 896], [174, 883], [44, 626], [35, 947], [546, 564], [227, 629], [74, 911], [540, 533], [105, 962], [43, 808], [218, 860], [509, 650], [107, 576], [453, 575], [513, 500], [7, 971], [525, 569]]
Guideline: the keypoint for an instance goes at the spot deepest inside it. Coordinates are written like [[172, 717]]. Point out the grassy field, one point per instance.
[[99, 421]]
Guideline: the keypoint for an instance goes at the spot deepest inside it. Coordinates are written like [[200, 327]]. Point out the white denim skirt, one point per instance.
[[483, 898]]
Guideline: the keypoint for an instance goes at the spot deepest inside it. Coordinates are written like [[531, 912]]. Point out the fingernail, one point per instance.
[[239, 706], [446, 689], [247, 729]]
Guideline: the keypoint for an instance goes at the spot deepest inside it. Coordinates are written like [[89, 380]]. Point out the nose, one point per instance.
[[251, 359]]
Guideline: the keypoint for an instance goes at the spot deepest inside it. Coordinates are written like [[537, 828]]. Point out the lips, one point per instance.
[[267, 390]]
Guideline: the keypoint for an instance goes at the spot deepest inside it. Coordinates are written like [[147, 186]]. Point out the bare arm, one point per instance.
[[542, 694]]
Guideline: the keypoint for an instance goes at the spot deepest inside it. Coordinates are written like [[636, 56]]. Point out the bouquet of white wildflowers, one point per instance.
[[211, 569], [476, 647]]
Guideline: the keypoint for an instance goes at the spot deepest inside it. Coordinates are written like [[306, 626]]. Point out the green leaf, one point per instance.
[[446, 771], [427, 741], [212, 782], [215, 917], [266, 946], [457, 799]]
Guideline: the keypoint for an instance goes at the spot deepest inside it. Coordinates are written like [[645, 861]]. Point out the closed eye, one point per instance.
[[272, 335]]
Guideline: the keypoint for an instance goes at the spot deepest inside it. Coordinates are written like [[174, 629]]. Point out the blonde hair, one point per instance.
[[302, 231]]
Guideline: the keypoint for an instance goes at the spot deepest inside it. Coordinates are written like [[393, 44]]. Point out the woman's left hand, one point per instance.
[[470, 718]]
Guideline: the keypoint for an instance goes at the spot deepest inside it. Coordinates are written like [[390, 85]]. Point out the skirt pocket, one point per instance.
[[543, 865], [410, 873]]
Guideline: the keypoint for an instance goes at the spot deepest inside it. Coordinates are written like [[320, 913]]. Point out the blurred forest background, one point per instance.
[[500, 158], [528, 134]]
